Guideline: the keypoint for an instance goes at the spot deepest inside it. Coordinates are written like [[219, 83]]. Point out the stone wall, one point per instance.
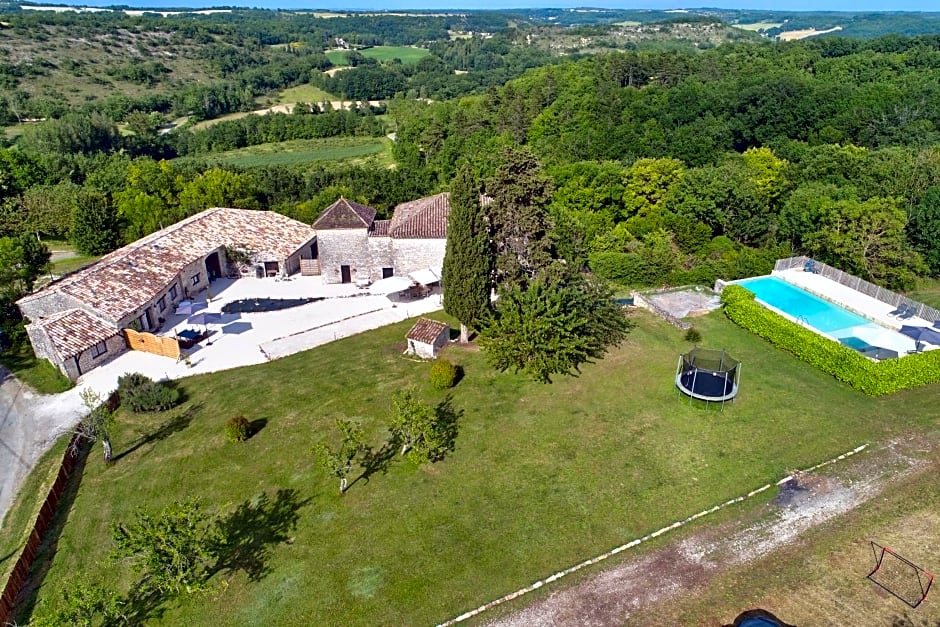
[[116, 346], [292, 264], [417, 254], [344, 247], [380, 250]]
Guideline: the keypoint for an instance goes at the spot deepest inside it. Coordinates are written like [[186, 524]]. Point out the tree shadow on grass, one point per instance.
[[373, 460], [253, 528], [143, 604], [174, 425], [448, 424], [255, 426]]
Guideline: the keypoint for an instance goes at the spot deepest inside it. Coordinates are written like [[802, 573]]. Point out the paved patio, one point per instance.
[[346, 310]]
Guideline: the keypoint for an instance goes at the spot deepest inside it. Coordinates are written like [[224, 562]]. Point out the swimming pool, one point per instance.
[[828, 318]]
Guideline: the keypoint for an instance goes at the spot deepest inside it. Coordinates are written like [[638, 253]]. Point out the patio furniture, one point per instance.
[[910, 313], [188, 338]]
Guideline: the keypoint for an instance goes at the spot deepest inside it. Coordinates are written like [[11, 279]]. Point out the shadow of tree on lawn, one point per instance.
[[174, 425], [448, 424], [253, 528]]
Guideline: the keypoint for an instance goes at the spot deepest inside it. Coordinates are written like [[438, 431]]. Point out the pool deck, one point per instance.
[[862, 304]]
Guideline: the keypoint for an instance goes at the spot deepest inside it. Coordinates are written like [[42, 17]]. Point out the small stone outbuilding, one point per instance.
[[427, 337]]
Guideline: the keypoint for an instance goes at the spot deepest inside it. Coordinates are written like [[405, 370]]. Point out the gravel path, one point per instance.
[[29, 424]]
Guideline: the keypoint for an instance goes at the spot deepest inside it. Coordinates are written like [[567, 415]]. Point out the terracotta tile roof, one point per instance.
[[379, 228], [345, 214], [425, 218], [74, 331], [125, 280], [427, 331]]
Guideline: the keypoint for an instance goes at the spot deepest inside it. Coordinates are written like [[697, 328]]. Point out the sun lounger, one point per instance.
[[897, 312], [910, 313]]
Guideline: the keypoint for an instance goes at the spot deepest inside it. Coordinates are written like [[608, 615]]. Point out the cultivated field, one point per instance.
[[759, 26], [304, 93], [541, 477], [300, 151], [793, 35], [408, 54]]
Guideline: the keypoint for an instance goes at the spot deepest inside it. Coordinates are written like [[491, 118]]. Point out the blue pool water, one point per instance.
[[816, 312], [830, 319]]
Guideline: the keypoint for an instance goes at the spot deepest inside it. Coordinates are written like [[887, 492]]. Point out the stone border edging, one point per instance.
[[538, 584]]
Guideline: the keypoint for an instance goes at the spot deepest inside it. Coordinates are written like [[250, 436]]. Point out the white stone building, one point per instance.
[[427, 337], [76, 321], [353, 246]]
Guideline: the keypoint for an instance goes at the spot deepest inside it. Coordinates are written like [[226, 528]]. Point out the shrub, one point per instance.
[[237, 429], [843, 363], [140, 393], [443, 374], [693, 335]]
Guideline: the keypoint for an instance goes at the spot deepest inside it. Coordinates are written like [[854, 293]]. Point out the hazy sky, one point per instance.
[[783, 5]]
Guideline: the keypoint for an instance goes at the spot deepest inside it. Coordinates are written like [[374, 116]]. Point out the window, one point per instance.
[[99, 349], [387, 272], [195, 279], [161, 304], [173, 292]]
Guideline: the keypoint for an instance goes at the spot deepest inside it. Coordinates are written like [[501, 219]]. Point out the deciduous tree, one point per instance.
[[338, 461], [171, 550]]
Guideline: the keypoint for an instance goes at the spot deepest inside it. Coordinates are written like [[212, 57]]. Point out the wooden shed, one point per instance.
[[427, 337]]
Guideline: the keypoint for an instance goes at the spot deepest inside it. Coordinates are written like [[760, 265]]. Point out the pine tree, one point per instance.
[[467, 262]]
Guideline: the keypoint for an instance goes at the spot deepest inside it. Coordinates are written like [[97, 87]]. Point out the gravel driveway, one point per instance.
[[29, 424]]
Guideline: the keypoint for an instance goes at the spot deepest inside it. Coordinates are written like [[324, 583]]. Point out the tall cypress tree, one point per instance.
[[467, 262]]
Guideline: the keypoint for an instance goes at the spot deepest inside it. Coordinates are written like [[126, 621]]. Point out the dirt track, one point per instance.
[[618, 595]]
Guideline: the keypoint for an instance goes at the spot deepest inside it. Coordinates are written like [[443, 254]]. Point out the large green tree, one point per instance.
[[552, 326], [173, 550], [467, 262], [866, 238], [96, 227], [23, 259], [519, 221]]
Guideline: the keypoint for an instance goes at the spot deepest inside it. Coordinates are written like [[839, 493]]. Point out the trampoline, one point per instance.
[[708, 375]]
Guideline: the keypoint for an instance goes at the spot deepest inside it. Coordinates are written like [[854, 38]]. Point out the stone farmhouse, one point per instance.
[[354, 247], [76, 321]]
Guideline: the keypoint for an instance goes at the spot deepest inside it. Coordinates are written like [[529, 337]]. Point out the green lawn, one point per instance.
[[304, 93], [39, 374], [927, 292], [408, 54], [542, 477], [300, 151]]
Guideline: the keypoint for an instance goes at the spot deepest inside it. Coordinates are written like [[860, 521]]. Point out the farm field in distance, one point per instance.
[[619, 457], [301, 151], [409, 55]]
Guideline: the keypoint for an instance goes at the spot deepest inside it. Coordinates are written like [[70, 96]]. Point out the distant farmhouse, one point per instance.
[[355, 247], [76, 322]]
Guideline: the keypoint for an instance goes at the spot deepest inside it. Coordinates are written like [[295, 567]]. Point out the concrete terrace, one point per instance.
[[346, 311]]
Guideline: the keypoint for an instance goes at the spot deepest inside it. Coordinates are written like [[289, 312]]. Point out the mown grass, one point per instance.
[[821, 579], [927, 292], [301, 151], [39, 374], [407, 54], [542, 475], [19, 521], [304, 93]]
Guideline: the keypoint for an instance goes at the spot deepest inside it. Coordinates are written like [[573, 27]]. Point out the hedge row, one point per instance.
[[874, 378]]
